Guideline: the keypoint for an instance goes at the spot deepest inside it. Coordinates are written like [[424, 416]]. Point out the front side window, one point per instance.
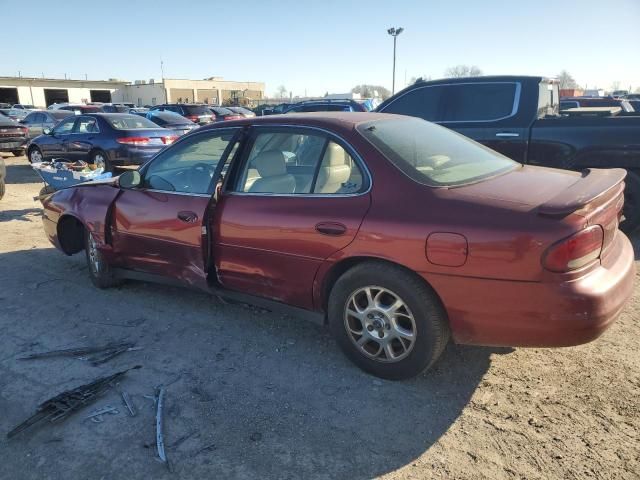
[[189, 166], [298, 163], [65, 126], [434, 155]]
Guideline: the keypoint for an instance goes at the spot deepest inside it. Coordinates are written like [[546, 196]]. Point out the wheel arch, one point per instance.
[[71, 231], [342, 266]]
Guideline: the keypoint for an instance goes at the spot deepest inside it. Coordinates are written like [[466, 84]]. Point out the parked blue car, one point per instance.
[[104, 139]]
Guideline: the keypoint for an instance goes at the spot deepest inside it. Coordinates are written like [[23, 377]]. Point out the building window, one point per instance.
[[139, 102], [153, 101]]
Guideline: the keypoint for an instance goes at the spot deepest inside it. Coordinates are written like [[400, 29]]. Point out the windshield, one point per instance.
[[129, 122], [433, 155]]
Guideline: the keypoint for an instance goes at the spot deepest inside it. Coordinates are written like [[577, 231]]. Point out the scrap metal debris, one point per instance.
[[160, 425], [68, 402], [101, 355], [126, 399], [96, 415]]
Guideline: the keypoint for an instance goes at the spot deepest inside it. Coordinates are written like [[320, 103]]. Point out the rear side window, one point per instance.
[[434, 155], [478, 102], [299, 163], [421, 102]]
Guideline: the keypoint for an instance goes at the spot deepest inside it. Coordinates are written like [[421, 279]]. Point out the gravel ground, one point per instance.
[[253, 394]]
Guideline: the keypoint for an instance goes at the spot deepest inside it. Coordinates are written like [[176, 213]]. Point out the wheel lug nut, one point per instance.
[[387, 326], [370, 316], [381, 334], [370, 328]]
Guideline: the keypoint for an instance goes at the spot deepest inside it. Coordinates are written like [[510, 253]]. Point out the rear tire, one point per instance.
[[100, 271], [17, 153], [631, 209], [387, 320], [99, 158]]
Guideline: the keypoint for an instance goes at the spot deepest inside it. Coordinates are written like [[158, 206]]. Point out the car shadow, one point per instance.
[[250, 393], [22, 215], [21, 174]]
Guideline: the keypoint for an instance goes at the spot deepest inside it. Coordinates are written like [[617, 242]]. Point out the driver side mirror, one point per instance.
[[130, 179], [47, 131]]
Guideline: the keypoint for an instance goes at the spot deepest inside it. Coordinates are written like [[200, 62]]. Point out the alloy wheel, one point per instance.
[[99, 161], [380, 324], [35, 156], [94, 255]]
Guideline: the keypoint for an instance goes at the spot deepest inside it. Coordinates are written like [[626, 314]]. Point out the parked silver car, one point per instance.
[[38, 120]]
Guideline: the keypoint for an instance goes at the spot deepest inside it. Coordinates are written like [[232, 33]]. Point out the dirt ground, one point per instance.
[[253, 394]]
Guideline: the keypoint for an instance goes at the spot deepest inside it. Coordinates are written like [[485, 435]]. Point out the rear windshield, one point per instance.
[[221, 111], [59, 113], [169, 117], [196, 110], [434, 155], [130, 122]]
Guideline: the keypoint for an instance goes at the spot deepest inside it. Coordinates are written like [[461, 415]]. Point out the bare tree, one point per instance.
[[281, 91], [615, 85], [369, 91], [566, 80], [463, 71]]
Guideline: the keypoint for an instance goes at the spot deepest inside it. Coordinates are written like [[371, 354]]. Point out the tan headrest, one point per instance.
[[334, 156], [270, 163]]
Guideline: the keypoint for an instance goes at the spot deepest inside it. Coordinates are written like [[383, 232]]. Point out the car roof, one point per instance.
[[329, 120]]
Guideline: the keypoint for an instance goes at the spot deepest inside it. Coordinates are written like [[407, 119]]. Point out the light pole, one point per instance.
[[394, 32]]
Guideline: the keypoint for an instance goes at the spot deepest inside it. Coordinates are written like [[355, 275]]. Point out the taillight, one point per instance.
[[133, 140], [233, 117], [24, 130], [169, 139], [193, 118], [574, 252]]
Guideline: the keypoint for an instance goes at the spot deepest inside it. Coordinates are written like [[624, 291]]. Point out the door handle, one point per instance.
[[187, 216], [331, 228], [507, 134]]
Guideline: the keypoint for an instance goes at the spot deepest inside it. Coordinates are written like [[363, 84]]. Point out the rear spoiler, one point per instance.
[[595, 183]]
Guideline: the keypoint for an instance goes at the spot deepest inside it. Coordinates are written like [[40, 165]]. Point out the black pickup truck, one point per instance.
[[519, 117]]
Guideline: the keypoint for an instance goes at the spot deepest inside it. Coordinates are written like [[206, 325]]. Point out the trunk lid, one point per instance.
[[597, 195]]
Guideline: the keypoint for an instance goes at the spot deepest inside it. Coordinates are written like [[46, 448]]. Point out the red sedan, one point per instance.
[[396, 232]]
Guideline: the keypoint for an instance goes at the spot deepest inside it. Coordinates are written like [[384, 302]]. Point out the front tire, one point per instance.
[[17, 153], [35, 155], [100, 271], [387, 320]]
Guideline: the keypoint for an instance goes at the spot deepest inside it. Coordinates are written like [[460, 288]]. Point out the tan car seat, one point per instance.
[[272, 168]]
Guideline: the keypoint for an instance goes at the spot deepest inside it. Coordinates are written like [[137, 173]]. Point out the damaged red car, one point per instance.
[[397, 233]]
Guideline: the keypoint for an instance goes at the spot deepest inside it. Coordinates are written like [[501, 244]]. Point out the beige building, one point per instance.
[[214, 91], [43, 92]]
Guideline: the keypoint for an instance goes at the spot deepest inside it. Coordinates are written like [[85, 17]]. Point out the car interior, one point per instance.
[[284, 163]]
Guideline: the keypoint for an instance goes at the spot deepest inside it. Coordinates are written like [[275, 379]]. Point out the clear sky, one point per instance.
[[320, 46]]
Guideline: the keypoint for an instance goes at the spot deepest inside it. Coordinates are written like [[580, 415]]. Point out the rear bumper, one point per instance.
[[10, 144], [133, 155], [527, 314]]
